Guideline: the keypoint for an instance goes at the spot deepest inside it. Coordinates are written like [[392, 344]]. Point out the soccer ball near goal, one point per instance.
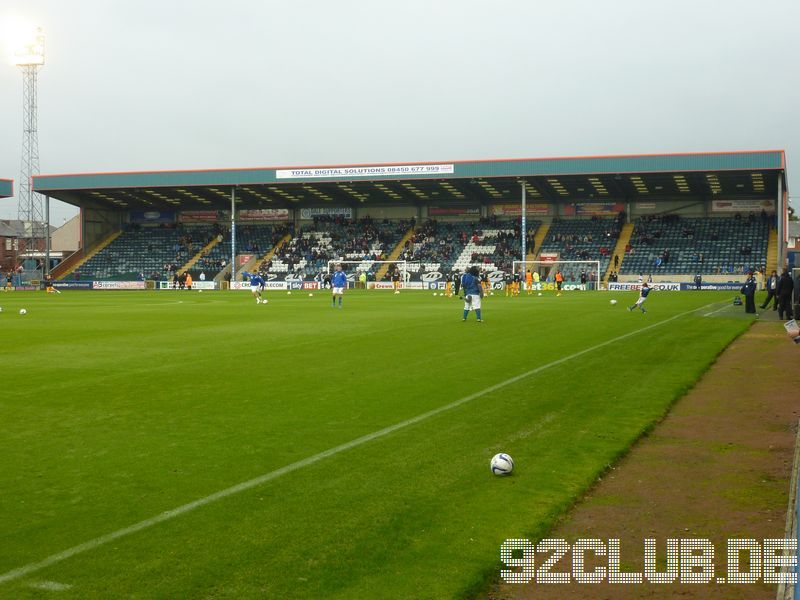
[[613, 301], [502, 464]]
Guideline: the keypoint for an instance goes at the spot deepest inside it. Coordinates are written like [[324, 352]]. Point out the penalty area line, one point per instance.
[[262, 479]]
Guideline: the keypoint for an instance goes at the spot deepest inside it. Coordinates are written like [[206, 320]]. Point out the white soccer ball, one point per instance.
[[434, 294], [201, 291], [502, 464], [1, 309], [441, 293], [491, 293], [613, 301], [310, 295], [22, 311], [539, 294], [289, 293]]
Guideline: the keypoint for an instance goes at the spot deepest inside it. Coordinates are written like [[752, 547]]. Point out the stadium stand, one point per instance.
[[491, 244], [583, 239], [145, 251], [336, 238], [670, 244], [255, 239]]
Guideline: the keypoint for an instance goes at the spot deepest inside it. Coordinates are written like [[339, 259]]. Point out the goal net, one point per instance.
[[577, 274], [372, 269]]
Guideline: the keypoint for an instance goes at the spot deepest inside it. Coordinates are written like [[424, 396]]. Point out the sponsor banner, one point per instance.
[[26, 288], [372, 171], [196, 285], [309, 213], [203, 216], [310, 285], [152, 216], [663, 286], [726, 286], [515, 210], [743, 205], [548, 256], [118, 285], [269, 285], [243, 258], [73, 285], [408, 285], [454, 211], [568, 286], [594, 209], [428, 277], [263, 214]]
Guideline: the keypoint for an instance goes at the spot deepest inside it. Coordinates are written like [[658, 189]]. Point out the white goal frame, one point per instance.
[[552, 263], [370, 263]]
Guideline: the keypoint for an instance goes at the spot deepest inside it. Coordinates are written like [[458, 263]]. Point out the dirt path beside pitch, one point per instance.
[[717, 467]]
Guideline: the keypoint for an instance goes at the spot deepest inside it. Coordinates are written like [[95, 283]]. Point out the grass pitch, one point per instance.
[[119, 406]]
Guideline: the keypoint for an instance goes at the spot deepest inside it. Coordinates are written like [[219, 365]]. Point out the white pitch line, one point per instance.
[[52, 586], [251, 483], [716, 311]]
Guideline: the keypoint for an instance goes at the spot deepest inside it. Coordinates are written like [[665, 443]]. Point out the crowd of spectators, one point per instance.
[[337, 238], [721, 245]]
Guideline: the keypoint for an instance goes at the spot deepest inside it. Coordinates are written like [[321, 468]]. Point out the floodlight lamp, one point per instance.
[[28, 47]]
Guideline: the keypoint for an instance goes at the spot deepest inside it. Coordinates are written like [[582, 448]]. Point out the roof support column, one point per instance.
[[233, 234], [523, 230], [46, 234], [780, 214]]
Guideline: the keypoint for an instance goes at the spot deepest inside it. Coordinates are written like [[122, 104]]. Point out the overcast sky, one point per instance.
[[159, 84]]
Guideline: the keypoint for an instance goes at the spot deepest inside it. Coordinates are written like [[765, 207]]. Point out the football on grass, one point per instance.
[[502, 464], [613, 301]]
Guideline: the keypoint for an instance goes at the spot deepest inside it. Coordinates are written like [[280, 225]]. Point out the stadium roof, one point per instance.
[[6, 188], [690, 176]]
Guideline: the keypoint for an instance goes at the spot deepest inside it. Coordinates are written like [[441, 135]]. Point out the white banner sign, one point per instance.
[[408, 285], [269, 285], [743, 205], [118, 285], [627, 287], [373, 171], [196, 285]]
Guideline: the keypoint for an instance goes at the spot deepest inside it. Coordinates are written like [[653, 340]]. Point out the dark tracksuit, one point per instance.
[[772, 285], [784, 294], [749, 291]]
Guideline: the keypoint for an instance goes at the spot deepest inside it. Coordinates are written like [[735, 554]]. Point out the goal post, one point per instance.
[[355, 266], [570, 269]]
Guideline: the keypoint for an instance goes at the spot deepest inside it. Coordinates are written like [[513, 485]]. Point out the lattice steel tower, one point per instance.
[[30, 58]]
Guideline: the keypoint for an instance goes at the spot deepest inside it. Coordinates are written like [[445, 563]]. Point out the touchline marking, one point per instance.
[[246, 485], [52, 586], [716, 311]]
